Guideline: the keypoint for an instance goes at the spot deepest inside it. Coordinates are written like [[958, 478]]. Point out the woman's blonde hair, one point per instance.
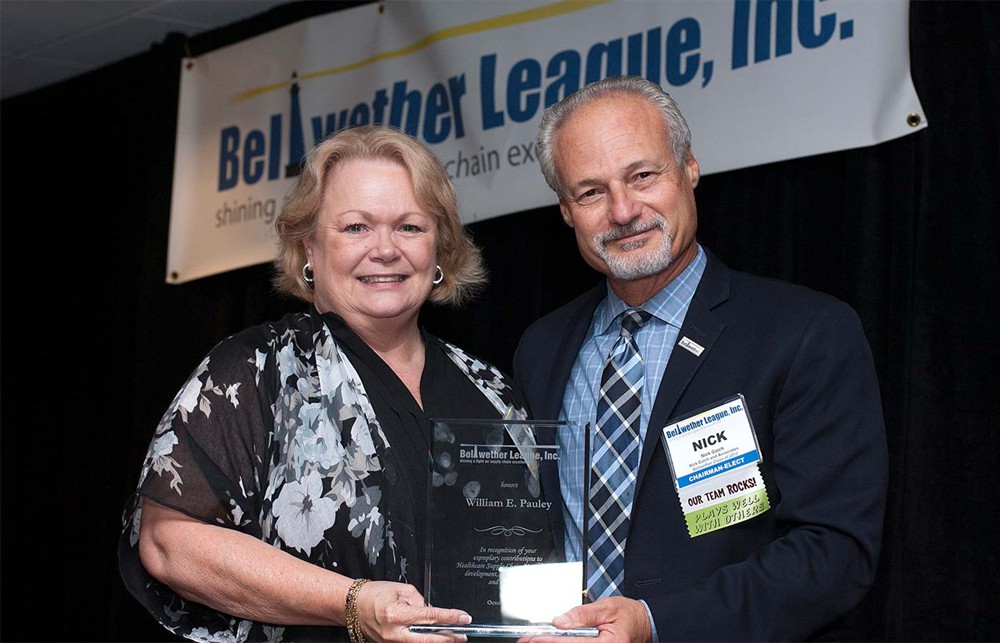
[[459, 259]]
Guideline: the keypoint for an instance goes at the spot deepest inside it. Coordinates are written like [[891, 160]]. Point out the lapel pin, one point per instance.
[[691, 346]]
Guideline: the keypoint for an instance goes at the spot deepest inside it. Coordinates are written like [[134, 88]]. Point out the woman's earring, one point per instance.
[[307, 273], [438, 276]]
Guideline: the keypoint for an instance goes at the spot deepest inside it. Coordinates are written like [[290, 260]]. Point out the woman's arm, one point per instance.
[[235, 573]]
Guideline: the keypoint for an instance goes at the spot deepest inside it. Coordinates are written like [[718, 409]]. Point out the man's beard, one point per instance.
[[628, 265]]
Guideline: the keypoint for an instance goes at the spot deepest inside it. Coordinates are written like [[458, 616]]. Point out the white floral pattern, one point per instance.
[[303, 513]]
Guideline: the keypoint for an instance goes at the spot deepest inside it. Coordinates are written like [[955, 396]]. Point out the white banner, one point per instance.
[[758, 80]]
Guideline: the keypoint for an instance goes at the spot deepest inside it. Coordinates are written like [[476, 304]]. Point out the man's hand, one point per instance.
[[619, 620]]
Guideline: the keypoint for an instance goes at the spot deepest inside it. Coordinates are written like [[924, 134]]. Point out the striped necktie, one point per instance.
[[615, 459]]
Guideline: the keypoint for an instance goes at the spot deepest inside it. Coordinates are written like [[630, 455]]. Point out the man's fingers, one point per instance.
[[582, 616]]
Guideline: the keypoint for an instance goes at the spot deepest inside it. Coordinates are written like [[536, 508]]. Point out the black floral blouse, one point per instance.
[[297, 433]]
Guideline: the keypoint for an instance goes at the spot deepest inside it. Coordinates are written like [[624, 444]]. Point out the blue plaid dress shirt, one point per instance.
[[655, 340]]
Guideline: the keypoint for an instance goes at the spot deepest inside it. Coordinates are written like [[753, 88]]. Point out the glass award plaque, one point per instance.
[[491, 547]]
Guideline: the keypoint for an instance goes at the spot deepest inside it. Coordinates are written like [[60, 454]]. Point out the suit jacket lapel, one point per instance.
[[569, 346], [702, 326]]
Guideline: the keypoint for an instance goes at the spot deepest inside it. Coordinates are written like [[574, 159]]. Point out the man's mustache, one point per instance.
[[635, 227]]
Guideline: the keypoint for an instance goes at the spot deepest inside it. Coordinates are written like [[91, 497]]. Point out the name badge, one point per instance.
[[715, 461]]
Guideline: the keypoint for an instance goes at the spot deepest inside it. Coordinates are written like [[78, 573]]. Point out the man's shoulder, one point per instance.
[[751, 290], [542, 341], [766, 302], [557, 321], [753, 286]]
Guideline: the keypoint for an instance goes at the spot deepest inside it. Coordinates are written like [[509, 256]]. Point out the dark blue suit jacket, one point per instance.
[[801, 360]]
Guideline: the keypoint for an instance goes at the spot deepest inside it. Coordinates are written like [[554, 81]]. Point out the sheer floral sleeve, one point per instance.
[[207, 460]]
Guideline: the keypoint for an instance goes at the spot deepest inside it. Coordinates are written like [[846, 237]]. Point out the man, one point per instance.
[[768, 527]]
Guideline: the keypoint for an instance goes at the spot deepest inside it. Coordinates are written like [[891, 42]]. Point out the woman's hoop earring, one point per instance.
[[307, 273], [438, 276]]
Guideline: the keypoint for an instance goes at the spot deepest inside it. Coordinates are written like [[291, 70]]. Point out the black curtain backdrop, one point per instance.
[[95, 344]]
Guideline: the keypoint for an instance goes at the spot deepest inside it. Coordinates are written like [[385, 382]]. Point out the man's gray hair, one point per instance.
[[555, 117]]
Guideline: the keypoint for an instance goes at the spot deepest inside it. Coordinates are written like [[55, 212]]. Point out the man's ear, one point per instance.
[[692, 169], [566, 214]]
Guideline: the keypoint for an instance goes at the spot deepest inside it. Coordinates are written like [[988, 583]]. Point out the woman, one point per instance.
[[291, 468]]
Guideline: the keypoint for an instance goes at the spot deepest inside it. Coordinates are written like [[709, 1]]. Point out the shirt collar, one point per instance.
[[669, 305]]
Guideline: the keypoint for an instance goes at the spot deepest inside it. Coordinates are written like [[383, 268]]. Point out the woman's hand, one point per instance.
[[386, 609]]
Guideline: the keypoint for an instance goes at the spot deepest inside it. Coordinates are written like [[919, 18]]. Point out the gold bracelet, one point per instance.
[[351, 612]]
